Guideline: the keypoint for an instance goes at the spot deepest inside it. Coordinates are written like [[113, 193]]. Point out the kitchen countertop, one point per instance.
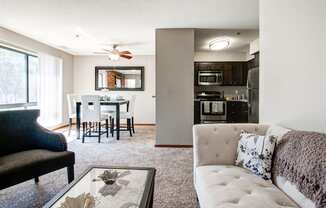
[[243, 100]]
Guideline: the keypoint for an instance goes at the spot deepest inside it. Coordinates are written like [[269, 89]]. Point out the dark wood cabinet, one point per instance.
[[196, 112], [234, 73], [237, 112], [253, 63]]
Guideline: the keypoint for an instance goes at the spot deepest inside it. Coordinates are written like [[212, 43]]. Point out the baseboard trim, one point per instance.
[[66, 125], [59, 127], [173, 146], [145, 124]]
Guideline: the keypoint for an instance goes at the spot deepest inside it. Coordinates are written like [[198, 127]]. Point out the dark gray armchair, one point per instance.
[[27, 150]]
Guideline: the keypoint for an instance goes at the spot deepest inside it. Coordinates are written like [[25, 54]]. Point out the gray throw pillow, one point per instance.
[[255, 153]]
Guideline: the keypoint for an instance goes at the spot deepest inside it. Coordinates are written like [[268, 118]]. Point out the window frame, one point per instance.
[[27, 103]]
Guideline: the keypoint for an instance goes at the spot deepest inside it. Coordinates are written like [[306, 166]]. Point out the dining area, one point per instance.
[[96, 115], [110, 109]]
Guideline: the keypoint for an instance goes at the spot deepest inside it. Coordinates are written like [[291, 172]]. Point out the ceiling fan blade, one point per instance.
[[125, 52], [108, 50], [126, 56]]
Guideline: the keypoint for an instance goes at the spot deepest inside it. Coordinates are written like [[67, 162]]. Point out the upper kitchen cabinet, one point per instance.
[[253, 63], [234, 73]]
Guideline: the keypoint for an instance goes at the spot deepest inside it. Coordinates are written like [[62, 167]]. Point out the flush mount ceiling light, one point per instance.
[[219, 44]]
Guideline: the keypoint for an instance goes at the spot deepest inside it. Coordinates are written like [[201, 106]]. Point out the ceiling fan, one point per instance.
[[115, 54]]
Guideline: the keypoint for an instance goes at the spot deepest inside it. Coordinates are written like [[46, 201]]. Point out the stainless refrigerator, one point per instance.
[[253, 95]]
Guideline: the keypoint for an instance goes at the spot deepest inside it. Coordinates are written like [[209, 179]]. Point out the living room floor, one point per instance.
[[173, 183]]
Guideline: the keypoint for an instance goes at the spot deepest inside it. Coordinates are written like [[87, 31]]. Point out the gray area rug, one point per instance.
[[173, 185]]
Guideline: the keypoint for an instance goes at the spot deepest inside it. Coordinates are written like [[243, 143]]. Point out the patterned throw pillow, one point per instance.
[[255, 153]]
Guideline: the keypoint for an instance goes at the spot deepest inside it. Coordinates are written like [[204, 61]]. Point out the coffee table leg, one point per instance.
[[151, 199]]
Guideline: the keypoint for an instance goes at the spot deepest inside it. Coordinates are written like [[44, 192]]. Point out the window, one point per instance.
[[18, 78]]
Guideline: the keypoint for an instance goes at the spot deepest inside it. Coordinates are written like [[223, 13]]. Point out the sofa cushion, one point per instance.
[[255, 153], [234, 187], [27, 164]]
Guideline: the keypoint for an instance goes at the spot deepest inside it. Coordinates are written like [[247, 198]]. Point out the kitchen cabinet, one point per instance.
[[253, 63], [237, 112], [234, 73], [196, 112]]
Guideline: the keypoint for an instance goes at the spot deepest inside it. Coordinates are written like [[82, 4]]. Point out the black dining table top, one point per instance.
[[103, 102]]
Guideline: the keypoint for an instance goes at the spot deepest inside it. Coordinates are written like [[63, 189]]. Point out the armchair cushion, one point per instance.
[[24, 165]]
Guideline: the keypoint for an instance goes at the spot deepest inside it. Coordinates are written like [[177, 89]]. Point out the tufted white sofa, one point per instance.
[[220, 184]]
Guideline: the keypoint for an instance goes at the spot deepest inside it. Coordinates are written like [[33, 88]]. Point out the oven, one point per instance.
[[213, 111], [210, 77]]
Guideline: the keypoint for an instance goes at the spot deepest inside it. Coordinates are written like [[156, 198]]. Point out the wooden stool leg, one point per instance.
[[84, 128], [70, 124], [107, 127], [99, 131], [129, 126], [133, 124], [112, 127]]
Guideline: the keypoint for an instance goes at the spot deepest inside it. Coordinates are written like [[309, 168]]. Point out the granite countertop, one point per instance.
[[243, 100]]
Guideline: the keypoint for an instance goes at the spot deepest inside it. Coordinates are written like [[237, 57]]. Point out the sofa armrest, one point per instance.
[[216, 144]]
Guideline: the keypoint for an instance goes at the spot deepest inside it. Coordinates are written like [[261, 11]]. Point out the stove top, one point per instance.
[[210, 95]]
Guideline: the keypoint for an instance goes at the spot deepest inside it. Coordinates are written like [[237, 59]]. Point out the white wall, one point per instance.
[[220, 56], [254, 46], [293, 73], [84, 82], [174, 86], [15, 39]]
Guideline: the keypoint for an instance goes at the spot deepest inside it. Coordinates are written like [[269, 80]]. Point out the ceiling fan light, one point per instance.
[[219, 44], [114, 56]]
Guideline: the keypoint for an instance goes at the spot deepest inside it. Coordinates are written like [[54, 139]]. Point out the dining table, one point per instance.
[[116, 103]]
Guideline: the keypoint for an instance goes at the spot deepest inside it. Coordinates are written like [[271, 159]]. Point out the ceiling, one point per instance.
[[239, 39], [101, 23]]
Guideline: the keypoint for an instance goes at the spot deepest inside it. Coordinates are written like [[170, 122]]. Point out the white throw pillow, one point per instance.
[[255, 153]]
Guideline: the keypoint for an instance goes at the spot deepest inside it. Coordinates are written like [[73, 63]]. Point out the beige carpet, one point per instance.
[[174, 182]]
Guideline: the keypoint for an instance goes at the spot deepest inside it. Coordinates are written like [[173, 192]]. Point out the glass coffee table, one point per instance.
[[108, 187]]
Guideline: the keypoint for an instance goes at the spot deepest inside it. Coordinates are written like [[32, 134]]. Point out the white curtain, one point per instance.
[[50, 90]]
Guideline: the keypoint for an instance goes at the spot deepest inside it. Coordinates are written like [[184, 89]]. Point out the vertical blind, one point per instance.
[[50, 90]]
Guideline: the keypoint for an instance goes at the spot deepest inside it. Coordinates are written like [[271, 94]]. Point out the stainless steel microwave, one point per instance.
[[210, 78]]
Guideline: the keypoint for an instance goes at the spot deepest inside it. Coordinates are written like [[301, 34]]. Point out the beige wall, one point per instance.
[[84, 82], [292, 51], [174, 86], [15, 39]]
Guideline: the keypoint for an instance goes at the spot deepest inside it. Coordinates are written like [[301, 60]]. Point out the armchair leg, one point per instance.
[[36, 179], [71, 174]]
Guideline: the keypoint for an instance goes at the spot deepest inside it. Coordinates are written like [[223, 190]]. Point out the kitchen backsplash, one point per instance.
[[229, 91]]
